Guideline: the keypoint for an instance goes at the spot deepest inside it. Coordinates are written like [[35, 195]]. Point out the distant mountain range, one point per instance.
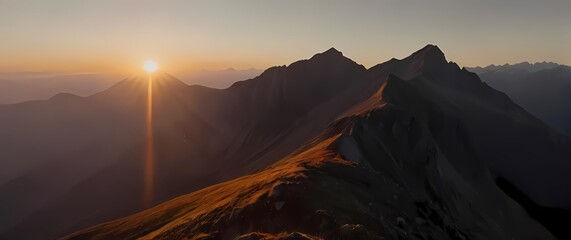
[[16, 87], [518, 67], [27, 86], [543, 89], [321, 148]]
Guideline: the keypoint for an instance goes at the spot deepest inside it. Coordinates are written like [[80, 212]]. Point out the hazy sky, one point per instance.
[[118, 35]]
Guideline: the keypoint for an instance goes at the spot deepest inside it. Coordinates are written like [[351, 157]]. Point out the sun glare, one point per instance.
[[150, 66]]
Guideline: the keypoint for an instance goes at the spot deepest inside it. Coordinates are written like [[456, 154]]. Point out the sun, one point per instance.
[[150, 66]]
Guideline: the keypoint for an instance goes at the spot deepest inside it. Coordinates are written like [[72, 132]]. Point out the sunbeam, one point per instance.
[[149, 156]]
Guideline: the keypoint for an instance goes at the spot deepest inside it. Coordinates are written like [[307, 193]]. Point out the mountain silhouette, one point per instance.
[[420, 129]]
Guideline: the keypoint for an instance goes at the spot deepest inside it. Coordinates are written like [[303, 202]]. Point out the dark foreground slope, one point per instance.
[[388, 170]]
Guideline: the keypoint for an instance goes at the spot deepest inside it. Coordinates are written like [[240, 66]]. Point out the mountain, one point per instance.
[[420, 129], [543, 89], [417, 158]]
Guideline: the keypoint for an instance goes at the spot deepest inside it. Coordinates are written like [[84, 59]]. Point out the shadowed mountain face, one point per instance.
[[543, 89], [426, 144]]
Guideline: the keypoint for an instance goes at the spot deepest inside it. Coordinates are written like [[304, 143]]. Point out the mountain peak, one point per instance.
[[429, 59], [431, 47], [330, 53], [332, 50], [330, 58], [430, 53]]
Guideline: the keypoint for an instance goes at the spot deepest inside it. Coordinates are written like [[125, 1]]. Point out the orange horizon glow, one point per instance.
[[130, 66], [149, 156]]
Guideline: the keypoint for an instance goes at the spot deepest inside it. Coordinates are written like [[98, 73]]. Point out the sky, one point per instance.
[[117, 36]]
